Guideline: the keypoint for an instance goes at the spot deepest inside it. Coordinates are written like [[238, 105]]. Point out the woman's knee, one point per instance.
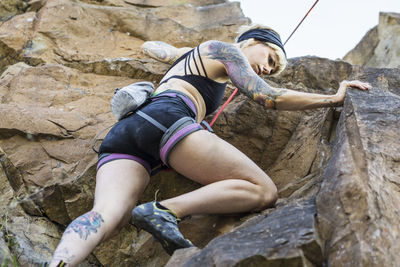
[[267, 194], [114, 219]]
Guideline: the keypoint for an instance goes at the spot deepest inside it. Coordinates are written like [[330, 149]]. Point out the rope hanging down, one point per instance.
[[236, 90], [300, 22]]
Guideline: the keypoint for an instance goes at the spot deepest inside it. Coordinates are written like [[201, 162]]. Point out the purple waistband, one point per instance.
[[115, 156]]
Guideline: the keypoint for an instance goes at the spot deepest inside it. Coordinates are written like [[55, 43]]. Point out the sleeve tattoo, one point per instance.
[[242, 75]]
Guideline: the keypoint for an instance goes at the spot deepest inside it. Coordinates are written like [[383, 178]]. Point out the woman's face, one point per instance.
[[262, 58]]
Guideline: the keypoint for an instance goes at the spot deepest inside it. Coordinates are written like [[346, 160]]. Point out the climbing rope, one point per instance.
[[300, 22], [223, 106]]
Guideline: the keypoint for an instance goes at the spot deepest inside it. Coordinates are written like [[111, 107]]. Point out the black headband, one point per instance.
[[263, 35]]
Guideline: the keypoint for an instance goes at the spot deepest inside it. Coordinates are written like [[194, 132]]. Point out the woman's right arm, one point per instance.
[[249, 83], [162, 51]]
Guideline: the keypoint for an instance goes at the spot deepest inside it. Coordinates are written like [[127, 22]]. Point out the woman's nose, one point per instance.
[[267, 70]]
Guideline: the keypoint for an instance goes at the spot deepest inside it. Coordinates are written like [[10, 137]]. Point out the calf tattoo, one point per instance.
[[242, 75], [86, 224], [63, 256]]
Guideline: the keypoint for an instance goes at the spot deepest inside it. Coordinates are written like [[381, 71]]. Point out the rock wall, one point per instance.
[[10, 8], [60, 62], [362, 181], [380, 47]]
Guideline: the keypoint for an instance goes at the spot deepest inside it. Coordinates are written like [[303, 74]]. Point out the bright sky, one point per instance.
[[332, 29]]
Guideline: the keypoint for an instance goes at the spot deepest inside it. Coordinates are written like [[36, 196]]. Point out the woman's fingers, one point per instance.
[[359, 85]]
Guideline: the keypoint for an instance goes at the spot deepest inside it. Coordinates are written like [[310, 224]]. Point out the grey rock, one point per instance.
[[284, 237], [380, 47], [359, 200]]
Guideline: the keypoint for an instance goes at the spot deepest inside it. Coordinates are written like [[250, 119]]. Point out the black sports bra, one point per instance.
[[211, 91]]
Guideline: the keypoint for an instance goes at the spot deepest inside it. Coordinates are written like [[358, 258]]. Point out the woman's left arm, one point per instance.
[[162, 51]]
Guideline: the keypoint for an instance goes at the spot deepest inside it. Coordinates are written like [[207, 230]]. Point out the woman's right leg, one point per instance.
[[119, 184]]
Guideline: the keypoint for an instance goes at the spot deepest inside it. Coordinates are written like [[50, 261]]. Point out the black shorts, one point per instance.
[[138, 139]]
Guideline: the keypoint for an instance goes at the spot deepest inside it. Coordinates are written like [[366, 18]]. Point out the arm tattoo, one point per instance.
[[242, 75], [161, 51], [86, 224]]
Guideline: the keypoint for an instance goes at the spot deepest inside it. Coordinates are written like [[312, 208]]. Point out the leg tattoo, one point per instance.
[[63, 256], [86, 224]]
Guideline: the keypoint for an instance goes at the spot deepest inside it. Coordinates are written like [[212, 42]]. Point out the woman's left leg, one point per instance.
[[233, 182]]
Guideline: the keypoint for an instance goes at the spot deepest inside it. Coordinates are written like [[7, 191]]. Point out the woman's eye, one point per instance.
[[271, 61]]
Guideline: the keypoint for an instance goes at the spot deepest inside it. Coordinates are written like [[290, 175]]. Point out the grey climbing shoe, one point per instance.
[[162, 224]]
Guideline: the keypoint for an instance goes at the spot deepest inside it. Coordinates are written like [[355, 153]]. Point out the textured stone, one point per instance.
[[296, 159], [10, 8], [28, 239], [364, 50], [284, 237], [380, 47], [75, 33], [358, 205]]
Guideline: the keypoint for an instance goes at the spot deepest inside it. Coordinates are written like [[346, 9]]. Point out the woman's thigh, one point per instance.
[[206, 158], [119, 184]]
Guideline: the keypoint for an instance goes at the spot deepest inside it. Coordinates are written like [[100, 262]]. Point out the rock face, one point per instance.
[[23, 237], [9, 8], [60, 62], [380, 47], [284, 237], [362, 182]]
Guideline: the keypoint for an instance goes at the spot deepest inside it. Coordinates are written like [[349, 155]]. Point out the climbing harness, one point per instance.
[[178, 130]]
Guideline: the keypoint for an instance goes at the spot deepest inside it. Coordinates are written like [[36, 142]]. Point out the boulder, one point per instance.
[[380, 46], [283, 237], [365, 49], [359, 201]]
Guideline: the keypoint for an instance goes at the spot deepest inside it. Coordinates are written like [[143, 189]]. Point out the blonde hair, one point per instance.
[[282, 61]]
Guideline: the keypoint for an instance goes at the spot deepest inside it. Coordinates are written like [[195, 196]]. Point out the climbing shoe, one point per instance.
[[162, 224]]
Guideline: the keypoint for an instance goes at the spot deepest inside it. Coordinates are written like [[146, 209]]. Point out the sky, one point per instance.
[[332, 29]]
